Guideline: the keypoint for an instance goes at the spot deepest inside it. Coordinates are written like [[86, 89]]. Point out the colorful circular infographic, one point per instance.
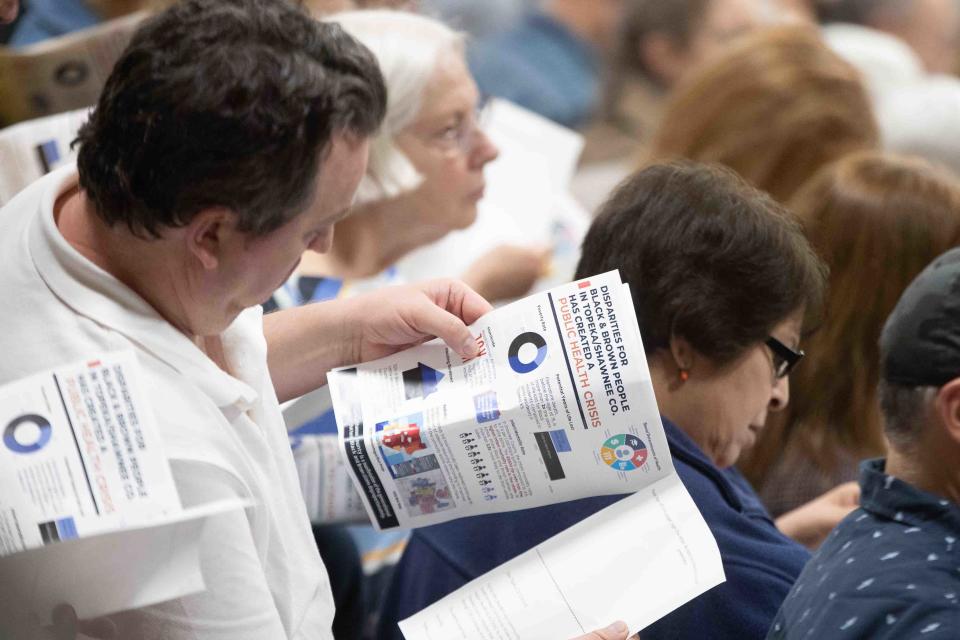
[[624, 452]]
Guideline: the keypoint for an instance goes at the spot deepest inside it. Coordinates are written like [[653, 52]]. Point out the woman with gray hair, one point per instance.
[[424, 179], [425, 173]]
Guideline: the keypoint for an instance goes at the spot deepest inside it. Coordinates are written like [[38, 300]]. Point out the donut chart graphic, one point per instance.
[[44, 432], [624, 452], [513, 353]]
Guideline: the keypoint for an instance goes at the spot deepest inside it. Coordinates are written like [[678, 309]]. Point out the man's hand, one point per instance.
[[396, 318], [809, 524], [305, 342], [616, 631]]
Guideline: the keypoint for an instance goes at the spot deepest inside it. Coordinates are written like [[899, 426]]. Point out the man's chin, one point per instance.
[[467, 217]]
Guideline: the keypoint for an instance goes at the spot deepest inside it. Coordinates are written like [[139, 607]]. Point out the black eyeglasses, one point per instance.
[[784, 358]]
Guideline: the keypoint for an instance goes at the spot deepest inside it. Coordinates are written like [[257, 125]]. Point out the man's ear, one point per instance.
[[208, 235], [947, 406]]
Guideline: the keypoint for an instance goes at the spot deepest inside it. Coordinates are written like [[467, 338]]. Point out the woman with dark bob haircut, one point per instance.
[[722, 279]]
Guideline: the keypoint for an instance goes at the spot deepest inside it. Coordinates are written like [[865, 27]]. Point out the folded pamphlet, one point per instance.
[[557, 406], [89, 512]]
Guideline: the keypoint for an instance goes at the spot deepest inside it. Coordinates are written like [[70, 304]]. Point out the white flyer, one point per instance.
[[80, 455], [89, 512], [557, 406], [636, 561]]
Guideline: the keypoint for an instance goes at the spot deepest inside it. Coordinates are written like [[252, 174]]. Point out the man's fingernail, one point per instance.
[[469, 347], [617, 627]]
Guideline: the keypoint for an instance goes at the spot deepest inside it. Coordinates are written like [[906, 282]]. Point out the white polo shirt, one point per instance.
[[224, 434]]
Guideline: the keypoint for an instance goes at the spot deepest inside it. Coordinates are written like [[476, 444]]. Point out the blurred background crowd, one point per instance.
[[845, 113]]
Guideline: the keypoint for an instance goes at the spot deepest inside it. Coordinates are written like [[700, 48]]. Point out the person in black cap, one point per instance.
[[890, 569]]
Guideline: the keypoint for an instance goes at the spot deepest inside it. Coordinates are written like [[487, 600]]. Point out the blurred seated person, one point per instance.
[[551, 62], [877, 220], [9, 9], [9, 13], [662, 41], [657, 43], [906, 50], [929, 29], [776, 107], [479, 19], [45, 19], [889, 570], [425, 174], [722, 279]]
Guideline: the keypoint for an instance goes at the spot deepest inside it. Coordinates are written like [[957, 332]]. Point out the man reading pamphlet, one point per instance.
[[229, 138]]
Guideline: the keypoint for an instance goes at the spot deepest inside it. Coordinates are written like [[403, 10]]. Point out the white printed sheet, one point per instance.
[[83, 449], [635, 561], [89, 513], [558, 406]]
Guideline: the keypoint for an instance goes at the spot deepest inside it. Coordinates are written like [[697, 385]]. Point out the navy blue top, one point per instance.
[[760, 562], [542, 66], [891, 569]]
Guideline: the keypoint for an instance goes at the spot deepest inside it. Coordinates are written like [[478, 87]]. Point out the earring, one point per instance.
[[684, 375]]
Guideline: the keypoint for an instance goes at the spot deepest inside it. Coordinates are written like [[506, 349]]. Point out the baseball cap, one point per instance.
[[920, 343]]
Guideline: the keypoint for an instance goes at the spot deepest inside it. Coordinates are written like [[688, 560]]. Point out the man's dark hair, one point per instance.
[[228, 103], [708, 258]]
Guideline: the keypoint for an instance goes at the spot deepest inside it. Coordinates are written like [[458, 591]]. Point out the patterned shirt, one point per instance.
[[891, 569]]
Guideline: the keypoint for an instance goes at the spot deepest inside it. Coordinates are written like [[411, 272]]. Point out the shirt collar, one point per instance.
[[96, 294], [894, 499]]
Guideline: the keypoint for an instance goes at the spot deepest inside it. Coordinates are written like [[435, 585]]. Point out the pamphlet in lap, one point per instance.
[[89, 513]]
